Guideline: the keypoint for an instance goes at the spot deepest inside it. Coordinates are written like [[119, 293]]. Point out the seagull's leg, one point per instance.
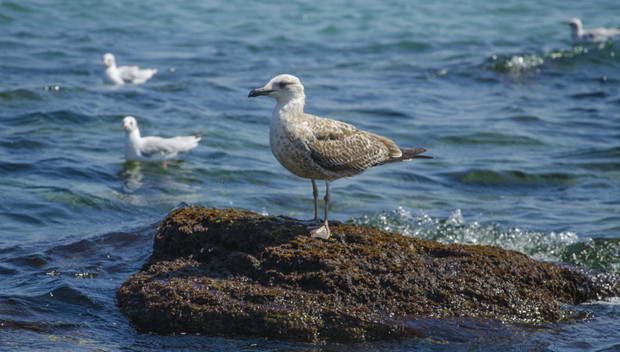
[[326, 199], [315, 193], [323, 230]]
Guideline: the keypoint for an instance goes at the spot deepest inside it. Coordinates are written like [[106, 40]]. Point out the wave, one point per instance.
[[513, 178], [494, 138], [20, 94], [566, 247], [521, 63]]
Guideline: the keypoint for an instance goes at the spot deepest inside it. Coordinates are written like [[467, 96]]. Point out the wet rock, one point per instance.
[[234, 273]]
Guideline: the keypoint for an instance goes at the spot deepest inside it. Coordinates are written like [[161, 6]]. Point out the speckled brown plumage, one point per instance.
[[318, 148]]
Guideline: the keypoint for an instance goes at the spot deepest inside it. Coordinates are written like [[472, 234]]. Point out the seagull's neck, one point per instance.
[[285, 127], [288, 111], [577, 32], [113, 75], [134, 135], [132, 143]]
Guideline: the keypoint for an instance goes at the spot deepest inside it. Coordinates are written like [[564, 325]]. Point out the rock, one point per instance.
[[236, 273]]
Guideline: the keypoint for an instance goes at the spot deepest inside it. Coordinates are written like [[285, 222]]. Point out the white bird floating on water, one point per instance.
[[153, 148], [125, 74], [322, 149], [590, 36]]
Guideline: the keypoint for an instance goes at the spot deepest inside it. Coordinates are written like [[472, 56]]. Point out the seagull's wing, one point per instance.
[[340, 147], [135, 74], [128, 73], [152, 147], [144, 75], [599, 34], [162, 148]]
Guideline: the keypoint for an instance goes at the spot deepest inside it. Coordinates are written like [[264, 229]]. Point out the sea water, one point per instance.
[[524, 128]]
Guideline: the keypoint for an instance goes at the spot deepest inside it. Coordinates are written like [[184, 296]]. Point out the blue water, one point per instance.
[[524, 127]]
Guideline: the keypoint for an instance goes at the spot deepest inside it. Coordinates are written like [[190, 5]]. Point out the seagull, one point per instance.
[[317, 148], [154, 148], [125, 74], [590, 36]]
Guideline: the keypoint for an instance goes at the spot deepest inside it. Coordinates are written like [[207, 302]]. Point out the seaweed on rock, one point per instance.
[[227, 272]]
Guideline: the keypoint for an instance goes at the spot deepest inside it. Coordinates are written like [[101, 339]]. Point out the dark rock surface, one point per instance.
[[234, 273]]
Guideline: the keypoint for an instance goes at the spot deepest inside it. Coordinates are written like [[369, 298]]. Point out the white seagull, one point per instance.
[[125, 74], [153, 148], [322, 149], [590, 36]]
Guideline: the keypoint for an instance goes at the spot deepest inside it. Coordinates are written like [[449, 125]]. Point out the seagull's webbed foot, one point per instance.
[[320, 231]]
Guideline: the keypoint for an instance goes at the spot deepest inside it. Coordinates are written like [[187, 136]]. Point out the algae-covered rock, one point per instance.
[[234, 273]]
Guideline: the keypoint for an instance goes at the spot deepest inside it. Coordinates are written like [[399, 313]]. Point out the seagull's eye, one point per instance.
[[282, 84]]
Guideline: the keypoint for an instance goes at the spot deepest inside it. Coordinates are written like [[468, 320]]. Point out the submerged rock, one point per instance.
[[234, 273]]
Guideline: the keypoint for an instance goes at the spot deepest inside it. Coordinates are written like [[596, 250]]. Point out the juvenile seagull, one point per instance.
[[125, 74], [139, 148], [590, 36], [322, 149]]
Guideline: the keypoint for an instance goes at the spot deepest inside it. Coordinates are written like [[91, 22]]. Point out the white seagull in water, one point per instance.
[[125, 74], [139, 148], [322, 149], [590, 36]]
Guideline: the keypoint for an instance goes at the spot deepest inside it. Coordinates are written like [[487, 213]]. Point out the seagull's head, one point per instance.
[[574, 23], [130, 124], [282, 88], [108, 60]]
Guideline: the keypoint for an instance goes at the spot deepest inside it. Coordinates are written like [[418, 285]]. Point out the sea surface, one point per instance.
[[524, 128]]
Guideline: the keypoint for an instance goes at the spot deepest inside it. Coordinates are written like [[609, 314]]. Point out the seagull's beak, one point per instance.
[[259, 91], [125, 127]]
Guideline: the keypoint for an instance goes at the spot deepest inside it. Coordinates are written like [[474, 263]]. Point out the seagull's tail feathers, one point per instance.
[[186, 143], [408, 154]]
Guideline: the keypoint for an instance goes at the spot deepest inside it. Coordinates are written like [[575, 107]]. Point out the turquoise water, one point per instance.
[[524, 127]]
